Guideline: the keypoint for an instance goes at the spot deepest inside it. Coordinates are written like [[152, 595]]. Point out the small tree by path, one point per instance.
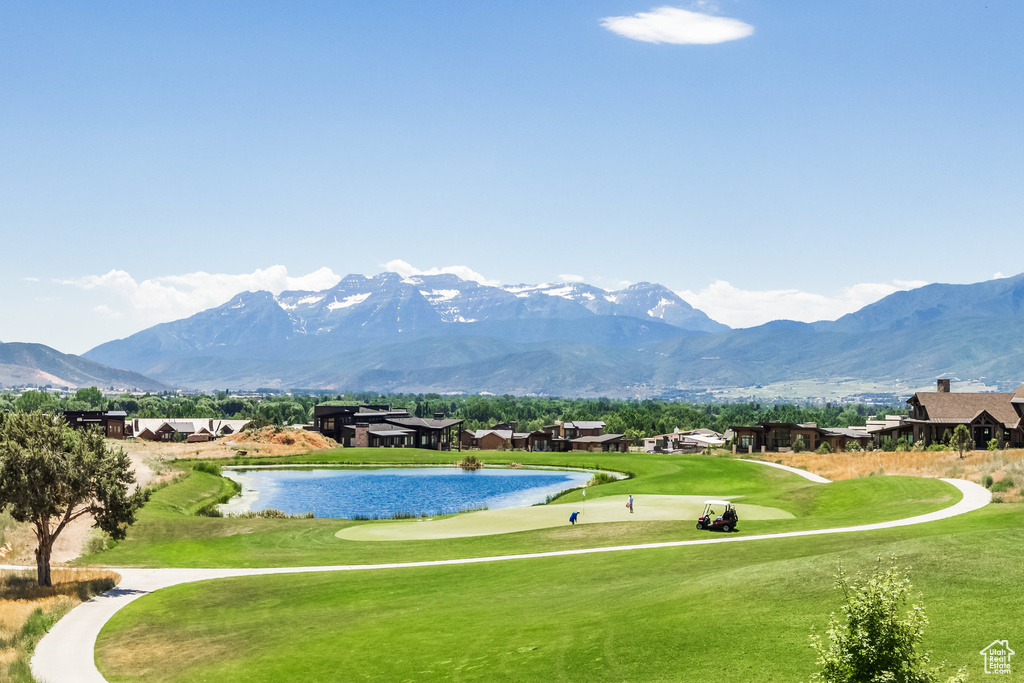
[[50, 475], [877, 636], [961, 440]]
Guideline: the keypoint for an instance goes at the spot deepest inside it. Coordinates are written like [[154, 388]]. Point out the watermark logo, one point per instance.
[[997, 657]]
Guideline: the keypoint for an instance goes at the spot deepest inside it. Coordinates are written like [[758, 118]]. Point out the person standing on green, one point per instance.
[[630, 504]]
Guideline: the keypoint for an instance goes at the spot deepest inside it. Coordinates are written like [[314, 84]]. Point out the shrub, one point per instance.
[[97, 542], [888, 444], [902, 444], [938, 447], [470, 462], [207, 466], [798, 445], [993, 444], [601, 478], [1002, 486], [269, 513], [824, 448], [987, 481], [876, 637], [853, 447]]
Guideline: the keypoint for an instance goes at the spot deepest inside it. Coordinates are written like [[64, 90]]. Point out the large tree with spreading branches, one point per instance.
[[51, 474]]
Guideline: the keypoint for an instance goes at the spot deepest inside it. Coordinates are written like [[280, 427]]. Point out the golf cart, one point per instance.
[[723, 522]]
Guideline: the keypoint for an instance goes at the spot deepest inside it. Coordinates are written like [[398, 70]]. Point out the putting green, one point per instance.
[[597, 511]]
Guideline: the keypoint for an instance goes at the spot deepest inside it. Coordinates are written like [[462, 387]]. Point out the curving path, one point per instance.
[[66, 653]]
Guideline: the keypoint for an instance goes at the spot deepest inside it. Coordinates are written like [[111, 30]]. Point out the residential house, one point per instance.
[[692, 441], [987, 416], [111, 422], [559, 437], [780, 436], [181, 429], [582, 435], [373, 426]]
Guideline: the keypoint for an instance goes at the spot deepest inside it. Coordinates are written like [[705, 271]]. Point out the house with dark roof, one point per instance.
[[987, 416], [111, 422], [780, 436], [380, 426], [582, 435]]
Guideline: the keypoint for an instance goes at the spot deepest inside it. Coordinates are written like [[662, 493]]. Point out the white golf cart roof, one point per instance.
[[717, 502]]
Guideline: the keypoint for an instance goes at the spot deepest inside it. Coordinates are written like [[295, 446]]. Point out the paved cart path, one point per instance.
[[66, 653]]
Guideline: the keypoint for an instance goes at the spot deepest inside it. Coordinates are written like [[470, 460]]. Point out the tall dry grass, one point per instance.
[[975, 466], [27, 610]]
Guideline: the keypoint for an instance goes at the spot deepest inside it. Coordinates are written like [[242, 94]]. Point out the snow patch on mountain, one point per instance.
[[348, 301]]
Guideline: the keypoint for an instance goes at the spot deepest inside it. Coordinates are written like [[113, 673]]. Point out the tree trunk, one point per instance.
[[43, 557]]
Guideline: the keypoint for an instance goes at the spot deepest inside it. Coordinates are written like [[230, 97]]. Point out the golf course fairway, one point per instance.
[[738, 611]]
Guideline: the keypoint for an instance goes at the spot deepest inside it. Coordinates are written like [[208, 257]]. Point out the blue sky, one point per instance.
[[159, 157]]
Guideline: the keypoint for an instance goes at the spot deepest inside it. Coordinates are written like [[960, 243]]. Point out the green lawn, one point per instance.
[[167, 534], [730, 612]]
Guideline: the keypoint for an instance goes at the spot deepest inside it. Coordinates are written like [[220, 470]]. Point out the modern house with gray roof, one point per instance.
[[380, 426]]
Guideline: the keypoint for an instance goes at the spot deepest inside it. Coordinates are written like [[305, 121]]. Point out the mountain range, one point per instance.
[[41, 366], [441, 333]]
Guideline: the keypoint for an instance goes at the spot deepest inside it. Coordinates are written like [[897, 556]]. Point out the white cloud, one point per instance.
[[30, 279], [998, 276], [570, 278], [746, 308], [465, 272], [678, 26], [107, 312], [177, 296]]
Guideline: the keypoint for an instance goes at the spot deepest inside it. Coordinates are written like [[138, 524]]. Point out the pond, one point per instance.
[[403, 491]]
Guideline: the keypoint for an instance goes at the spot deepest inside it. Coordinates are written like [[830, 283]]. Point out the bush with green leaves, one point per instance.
[[876, 637], [823, 449], [798, 445], [902, 444], [961, 440], [993, 444], [1002, 486], [987, 481], [208, 467]]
